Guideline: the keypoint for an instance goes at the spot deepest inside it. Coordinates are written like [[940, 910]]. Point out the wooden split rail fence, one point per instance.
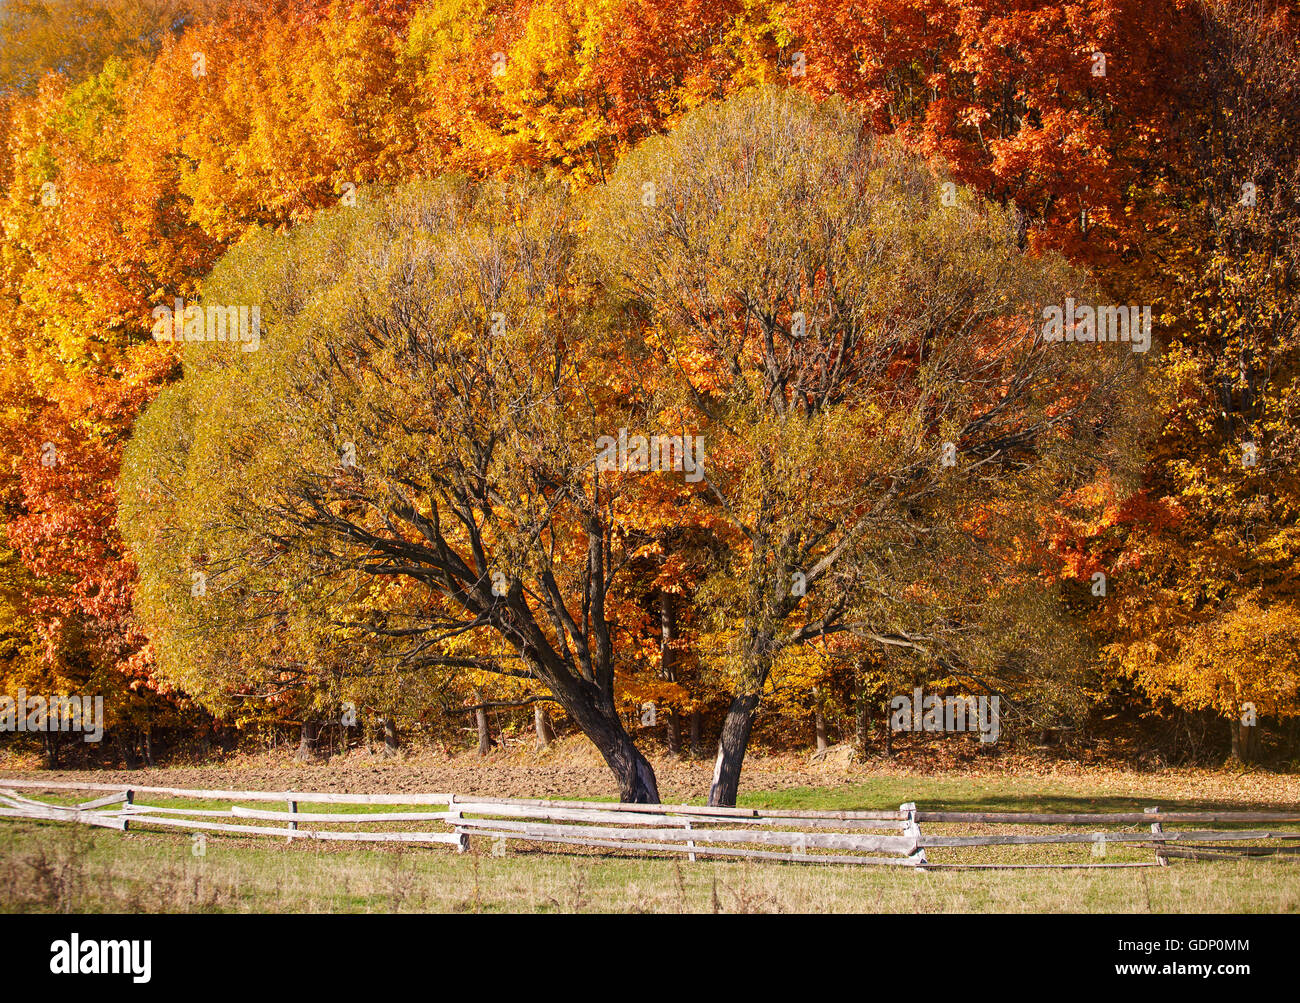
[[840, 837]]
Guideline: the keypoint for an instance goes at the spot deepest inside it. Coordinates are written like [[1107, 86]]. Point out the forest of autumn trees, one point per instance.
[[482, 234]]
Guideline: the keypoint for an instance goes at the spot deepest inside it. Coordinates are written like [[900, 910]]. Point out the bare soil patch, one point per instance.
[[571, 769]]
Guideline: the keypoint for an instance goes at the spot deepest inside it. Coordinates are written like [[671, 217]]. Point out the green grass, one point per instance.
[[958, 793], [49, 867]]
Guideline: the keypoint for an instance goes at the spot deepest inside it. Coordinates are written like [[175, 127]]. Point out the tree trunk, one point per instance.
[[635, 775], [673, 733], [1245, 741], [889, 734], [668, 668], [542, 724], [125, 747], [819, 725], [697, 747], [51, 741], [589, 702], [598, 719], [484, 737], [148, 748], [392, 739], [731, 750], [861, 720], [307, 741]]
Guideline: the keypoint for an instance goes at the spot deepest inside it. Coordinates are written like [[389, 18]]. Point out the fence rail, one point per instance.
[[889, 837]]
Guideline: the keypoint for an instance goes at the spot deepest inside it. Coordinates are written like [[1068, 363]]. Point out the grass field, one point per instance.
[[48, 867]]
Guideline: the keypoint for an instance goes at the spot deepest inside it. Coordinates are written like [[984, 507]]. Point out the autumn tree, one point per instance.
[[423, 411], [1209, 617], [1063, 110], [75, 38], [867, 365]]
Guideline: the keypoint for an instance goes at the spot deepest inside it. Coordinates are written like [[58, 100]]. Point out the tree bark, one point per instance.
[[673, 733], [635, 775], [307, 741], [125, 748], [392, 739], [819, 725], [484, 738], [598, 719], [732, 744], [668, 668], [542, 724], [51, 741], [586, 695], [860, 720], [1245, 741], [697, 747]]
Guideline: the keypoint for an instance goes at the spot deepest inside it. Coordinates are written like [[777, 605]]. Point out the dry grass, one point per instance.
[[51, 867]]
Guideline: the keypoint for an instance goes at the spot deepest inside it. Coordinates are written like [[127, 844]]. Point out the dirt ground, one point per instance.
[[570, 769]]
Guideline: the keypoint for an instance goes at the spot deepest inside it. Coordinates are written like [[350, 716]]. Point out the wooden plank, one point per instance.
[[261, 830], [104, 820], [17, 798], [821, 840], [1227, 852], [27, 804], [572, 814], [309, 797], [652, 819], [881, 816], [1102, 818], [1021, 867], [394, 816], [107, 799], [1100, 837], [662, 809], [691, 849], [688, 809], [1239, 851], [148, 809]]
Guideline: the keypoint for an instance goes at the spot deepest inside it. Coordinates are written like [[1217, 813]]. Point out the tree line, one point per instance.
[[483, 236]]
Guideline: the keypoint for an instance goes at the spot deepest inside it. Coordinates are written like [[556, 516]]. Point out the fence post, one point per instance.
[[130, 800], [1157, 828], [910, 828], [462, 842], [690, 844]]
